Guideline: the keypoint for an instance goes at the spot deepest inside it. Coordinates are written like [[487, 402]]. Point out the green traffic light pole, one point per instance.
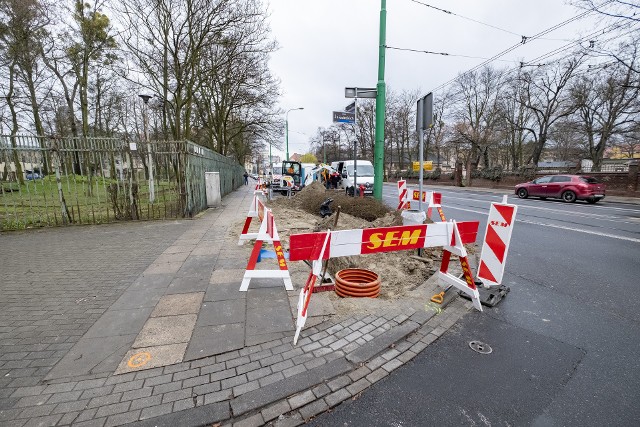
[[380, 107]]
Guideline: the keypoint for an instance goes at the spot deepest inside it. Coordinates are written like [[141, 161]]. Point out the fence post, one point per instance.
[[632, 182]]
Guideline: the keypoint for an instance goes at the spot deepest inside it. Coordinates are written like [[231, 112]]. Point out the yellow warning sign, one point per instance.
[[139, 359], [427, 165]]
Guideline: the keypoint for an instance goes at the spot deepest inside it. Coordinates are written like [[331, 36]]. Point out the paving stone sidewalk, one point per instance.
[[143, 323]]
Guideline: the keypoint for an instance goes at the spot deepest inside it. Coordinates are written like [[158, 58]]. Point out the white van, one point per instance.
[[364, 176]]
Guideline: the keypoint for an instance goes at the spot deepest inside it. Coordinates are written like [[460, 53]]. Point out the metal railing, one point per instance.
[[59, 181]]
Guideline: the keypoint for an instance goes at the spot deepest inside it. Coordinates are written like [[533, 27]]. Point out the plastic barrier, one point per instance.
[[256, 210], [431, 198], [268, 233], [496, 242], [317, 247]]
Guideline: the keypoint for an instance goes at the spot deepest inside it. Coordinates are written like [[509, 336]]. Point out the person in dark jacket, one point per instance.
[[246, 178]]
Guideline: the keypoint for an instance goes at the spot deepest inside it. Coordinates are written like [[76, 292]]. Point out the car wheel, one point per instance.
[[522, 193], [592, 201], [569, 196], [543, 198]]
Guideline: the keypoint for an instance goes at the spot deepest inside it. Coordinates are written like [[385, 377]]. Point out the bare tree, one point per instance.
[[607, 104], [545, 96], [477, 113], [515, 117]]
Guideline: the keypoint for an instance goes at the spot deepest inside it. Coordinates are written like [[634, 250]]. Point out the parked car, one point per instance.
[[566, 187]]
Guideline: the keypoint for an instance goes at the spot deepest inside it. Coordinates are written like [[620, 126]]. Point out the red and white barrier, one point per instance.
[[305, 293], [330, 244], [256, 210], [496, 242], [467, 286], [432, 199], [268, 233]]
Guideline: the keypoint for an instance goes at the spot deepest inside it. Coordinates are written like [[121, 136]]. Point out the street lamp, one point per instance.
[[145, 125], [286, 128]]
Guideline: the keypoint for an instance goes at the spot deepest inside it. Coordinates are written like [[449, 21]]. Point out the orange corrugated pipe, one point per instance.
[[357, 282]]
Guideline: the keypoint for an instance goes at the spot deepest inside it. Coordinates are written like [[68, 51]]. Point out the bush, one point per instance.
[[494, 174], [435, 175]]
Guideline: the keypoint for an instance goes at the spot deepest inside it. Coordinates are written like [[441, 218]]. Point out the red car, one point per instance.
[[566, 187]]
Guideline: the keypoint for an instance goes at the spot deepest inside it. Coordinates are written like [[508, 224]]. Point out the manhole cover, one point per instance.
[[480, 347]]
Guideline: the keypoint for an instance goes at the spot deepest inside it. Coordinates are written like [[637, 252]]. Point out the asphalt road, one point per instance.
[[565, 341]]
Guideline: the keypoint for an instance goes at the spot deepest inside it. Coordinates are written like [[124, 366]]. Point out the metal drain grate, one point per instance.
[[480, 347]]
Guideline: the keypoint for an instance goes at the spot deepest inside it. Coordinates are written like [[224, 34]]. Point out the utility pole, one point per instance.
[[380, 106]]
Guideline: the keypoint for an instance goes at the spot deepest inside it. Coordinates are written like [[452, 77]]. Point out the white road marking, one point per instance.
[[562, 227], [601, 217]]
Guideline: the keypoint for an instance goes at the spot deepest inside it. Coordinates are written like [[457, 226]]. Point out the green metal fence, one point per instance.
[[59, 181]]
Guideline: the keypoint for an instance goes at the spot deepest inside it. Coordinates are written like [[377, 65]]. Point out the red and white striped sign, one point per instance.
[[496, 242], [402, 195]]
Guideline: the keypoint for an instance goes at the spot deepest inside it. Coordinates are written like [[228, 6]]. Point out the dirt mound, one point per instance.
[[312, 196]]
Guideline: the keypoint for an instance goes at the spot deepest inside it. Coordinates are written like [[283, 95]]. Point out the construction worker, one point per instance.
[[325, 178]]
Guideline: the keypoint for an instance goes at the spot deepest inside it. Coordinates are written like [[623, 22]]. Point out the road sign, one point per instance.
[[428, 165], [427, 121], [342, 117], [360, 92], [351, 107]]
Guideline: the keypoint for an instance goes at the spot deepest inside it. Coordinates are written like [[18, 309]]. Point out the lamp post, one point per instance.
[[145, 126], [286, 128]]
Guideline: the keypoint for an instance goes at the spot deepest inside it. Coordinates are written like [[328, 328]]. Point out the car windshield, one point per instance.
[[589, 180], [363, 170]]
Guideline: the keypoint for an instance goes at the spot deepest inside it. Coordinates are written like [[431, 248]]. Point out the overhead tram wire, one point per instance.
[[515, 46], [535, 61], [448, 12], [440, 53]]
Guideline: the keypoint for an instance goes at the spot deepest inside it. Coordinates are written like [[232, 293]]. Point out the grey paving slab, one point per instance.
[[319, 305], [178, 248], [188, 284], [119, 322], [151, 281], [231, 263], [263, 338], [222, 312], [134, 299], [201, 265], [163, 268], [207, 415], [381, 342], [90, 353], [166, 330], [266, 320], [211, 340], [267, 297], [174, 305], [224, 292], [289, 386], [139, 359], [227, 276]]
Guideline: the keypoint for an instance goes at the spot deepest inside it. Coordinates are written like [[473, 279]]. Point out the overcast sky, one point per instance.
[[327, 45]]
